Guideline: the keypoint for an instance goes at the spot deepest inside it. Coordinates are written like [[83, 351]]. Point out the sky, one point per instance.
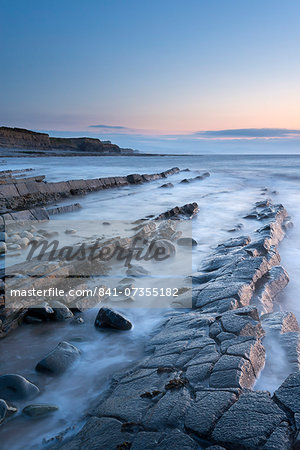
[[154, 69]]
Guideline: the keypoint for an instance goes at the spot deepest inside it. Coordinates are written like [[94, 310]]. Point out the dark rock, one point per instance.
[[59, 359], [205, 412], [32, 320], [3, 410], [243, 321], [235, 242], [39, 410], [175, 439], [221, 290], [61, 311], [281, 438], [232, 372], [263, 416], [134, 178], [169, 410], [107, 318], [288, 394], [215, 447], [185, 211], [42, 311], [167, 185], [275, 281], [252, 350], [187, 242], [6, 410], [64, 209], [100, 433], [15, 387]]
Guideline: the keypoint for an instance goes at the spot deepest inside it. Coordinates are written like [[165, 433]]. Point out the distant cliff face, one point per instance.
[[83, 144], [20, 138], [25, 139]]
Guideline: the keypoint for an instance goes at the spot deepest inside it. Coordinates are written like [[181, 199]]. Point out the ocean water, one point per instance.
[[236, 182]]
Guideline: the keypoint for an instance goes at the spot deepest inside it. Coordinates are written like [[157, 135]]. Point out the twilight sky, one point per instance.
[[150, 66]]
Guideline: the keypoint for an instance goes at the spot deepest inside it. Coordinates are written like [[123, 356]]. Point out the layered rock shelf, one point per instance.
[[194, 387], [26, 195]]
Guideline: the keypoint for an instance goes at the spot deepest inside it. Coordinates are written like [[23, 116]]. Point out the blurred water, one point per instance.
[[235, 183]]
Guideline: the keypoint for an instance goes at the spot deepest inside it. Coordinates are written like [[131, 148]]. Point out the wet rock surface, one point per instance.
[[6, 410], [15, 387], [107, 318], [59, 359], [24, 195], [196, 381], [39, 410], [197, 378]]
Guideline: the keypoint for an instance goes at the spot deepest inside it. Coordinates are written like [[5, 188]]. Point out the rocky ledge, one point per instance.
[[194, 387], [19, 198]]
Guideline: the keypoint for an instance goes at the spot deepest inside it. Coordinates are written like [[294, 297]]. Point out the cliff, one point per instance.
[[19, 138]]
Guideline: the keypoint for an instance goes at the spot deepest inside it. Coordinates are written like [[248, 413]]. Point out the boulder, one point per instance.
[[59, 359], [61, 311], [15, 387], [39, 410], [42, 311], [107, 318]]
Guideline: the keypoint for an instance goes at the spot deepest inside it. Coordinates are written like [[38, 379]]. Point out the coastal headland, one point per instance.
[[19, 141]]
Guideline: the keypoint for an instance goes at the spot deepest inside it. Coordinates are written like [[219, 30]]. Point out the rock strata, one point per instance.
[[195, 383], [20, 138], [25, 195]]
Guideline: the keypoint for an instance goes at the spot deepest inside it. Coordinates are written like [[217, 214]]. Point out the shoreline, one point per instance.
[[199, 369]]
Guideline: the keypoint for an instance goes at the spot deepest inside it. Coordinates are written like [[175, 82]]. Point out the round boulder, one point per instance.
[[16, 387], [107, 318], [59, 359]]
